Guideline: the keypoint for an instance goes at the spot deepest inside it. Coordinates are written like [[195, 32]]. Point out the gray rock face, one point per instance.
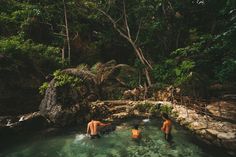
[[63, 107], [67, 99]]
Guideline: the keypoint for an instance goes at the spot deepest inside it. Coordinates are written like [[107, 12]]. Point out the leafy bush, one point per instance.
[[164, 72], [43, 88], [154, 110], [166, 109], [16, 45], [183, 72], [143, 107], [172, 73], [63, 79], [227, 71]]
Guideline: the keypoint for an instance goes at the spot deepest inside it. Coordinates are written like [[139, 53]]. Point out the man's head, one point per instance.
[[136, 126], [165, 116], [93, 117]]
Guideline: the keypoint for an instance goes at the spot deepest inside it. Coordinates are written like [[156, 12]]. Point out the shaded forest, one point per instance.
[[185, 43]]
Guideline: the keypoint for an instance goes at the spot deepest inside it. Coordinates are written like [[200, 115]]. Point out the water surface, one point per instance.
[[116, 144]]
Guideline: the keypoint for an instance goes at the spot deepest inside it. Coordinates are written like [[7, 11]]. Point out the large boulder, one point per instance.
[[65, 105], [68, 96]]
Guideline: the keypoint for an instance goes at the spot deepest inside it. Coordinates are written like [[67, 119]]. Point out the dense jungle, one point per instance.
[[65, 61]]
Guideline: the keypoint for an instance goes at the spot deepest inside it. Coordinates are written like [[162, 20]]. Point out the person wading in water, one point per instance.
[[166, 127], [93, 128], [136, 133]]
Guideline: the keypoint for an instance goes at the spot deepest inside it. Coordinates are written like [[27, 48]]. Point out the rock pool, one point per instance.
[[116, 144]]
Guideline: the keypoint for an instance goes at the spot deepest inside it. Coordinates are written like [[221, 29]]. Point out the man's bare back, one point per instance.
[[92, 128]]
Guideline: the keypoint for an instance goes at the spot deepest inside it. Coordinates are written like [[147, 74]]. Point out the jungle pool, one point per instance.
[[116, 144]]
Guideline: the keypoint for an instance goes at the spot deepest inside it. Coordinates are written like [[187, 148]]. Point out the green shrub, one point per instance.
[[227, 71], [166, 109], [154, 110], [63, 79], [43, 88], [143, 107]]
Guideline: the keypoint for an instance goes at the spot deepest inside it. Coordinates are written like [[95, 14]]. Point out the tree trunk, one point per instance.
[[125, 32], [63, 54], [147, 65], [67, 31]]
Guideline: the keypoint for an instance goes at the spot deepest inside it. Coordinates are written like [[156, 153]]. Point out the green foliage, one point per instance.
[[116, 94], [166, 109], [227, 71], [183, 72], [138, 64], [63, 79], [16, 45], [187, 42], [164, 72], [133, 82], [43, 88], [154, 110], [43, 58], [172, 73], [82, 67], [143, 107]]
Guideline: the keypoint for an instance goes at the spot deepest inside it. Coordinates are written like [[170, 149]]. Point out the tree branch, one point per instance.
[[137, 34], [114, 24], [126, 21], [60, 34]]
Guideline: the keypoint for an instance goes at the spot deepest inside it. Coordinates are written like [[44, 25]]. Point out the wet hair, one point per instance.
[[94, 117], [158, 106], [165, 115], [136, 126]]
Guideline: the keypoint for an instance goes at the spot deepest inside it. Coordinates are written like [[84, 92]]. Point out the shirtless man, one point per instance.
[[92, 128], [166, 127]]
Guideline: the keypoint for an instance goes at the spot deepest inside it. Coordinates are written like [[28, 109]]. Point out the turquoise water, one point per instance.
[[115, 144]]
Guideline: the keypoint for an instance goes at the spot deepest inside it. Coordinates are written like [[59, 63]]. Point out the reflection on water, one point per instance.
[[116, 144]]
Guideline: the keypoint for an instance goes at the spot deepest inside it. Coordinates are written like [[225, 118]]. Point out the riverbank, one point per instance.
[[221, 134], [214, 132]]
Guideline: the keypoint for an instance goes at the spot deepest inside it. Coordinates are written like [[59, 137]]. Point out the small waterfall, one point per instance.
[[148, 118], [9, 123], [21, 119], [158, 106]]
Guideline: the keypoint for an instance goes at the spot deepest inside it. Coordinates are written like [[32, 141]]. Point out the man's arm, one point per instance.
[[163, 128], [167, 129], [103, 124], [88, 128]]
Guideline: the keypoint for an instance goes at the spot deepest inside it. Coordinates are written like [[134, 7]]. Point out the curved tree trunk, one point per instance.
[[124, 31]]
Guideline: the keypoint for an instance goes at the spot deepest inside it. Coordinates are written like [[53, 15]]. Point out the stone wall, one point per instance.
[[219, 133]]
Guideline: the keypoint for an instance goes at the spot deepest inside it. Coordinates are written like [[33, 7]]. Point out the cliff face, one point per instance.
[[18, 88]]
